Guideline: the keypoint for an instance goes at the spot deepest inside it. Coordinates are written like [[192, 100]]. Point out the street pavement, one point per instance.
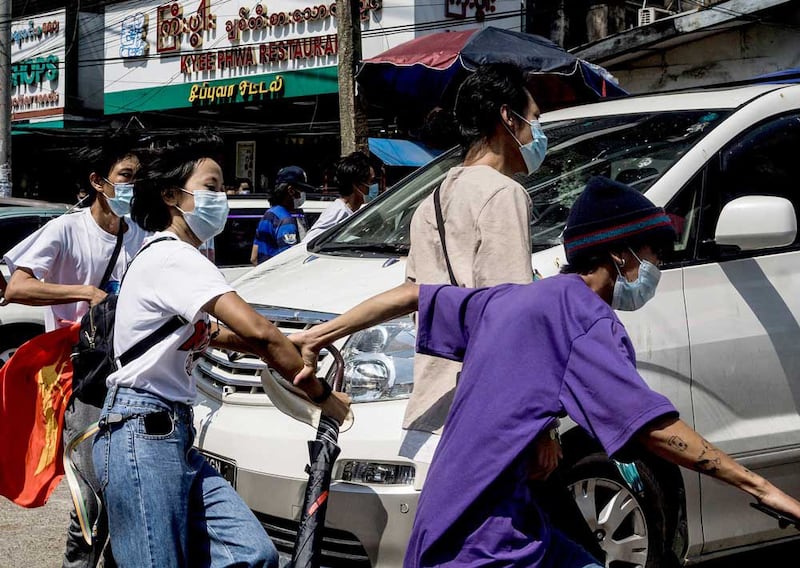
[[34, 538]]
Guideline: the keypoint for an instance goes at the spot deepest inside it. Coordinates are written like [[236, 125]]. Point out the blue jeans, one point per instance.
[[167, 507]]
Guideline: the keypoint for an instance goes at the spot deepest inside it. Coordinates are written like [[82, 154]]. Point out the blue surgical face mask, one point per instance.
[[534, 151], [209, 215], [120, 204], [630, 296], [372, 193]]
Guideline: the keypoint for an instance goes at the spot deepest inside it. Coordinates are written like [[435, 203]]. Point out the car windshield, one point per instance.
[[636, 149]]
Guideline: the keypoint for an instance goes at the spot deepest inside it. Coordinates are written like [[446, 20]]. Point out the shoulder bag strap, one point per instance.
[[437, 206], [114, 255], [172, 324]]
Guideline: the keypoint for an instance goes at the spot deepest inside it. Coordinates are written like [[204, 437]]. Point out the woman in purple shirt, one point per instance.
[[543, 350]]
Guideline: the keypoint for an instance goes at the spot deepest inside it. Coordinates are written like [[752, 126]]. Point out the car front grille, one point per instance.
[[340, 549], [227, 373]]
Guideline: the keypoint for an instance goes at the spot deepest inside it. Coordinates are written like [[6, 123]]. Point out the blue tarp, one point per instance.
[[780, 77], [394, 152]]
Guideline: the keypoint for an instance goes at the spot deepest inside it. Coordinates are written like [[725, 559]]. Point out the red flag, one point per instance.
[[35, 386]]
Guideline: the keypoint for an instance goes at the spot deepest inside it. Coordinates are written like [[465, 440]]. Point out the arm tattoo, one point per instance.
[[677, 443], [708, 462]]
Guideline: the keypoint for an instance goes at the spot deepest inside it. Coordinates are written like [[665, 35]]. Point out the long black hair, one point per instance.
[[166, 164]]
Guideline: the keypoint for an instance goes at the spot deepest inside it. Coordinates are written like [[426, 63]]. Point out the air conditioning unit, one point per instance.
[[650, 15]]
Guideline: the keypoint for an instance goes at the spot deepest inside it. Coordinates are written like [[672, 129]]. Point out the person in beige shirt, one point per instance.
[[487, 230], [486, 220]]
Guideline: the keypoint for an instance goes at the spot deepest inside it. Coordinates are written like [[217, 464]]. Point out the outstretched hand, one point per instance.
[[310, 354], [787, 506]]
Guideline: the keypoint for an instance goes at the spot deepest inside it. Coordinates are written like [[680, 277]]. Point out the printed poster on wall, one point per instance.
[[245, 160]]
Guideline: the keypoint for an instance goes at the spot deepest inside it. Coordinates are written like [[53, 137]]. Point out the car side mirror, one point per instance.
[[757, 222]]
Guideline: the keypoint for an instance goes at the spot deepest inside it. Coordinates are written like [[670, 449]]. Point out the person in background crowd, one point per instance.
[[81, 197], [354, 175], [61, 266], [278, 230], [244, 187], [543, 350], [167, 506], [378, 185]]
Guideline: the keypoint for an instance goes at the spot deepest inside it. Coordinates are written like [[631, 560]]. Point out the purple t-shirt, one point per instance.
[[531, 353]]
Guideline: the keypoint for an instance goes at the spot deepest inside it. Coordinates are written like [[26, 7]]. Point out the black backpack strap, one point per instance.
[[114, 255], [172, 324], [437, 206], [140, 348]]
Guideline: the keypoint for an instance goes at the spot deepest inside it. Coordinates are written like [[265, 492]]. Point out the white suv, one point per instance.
[[720, 339]]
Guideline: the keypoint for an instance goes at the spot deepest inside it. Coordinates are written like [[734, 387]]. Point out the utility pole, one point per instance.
[[352, 114], [5, 98]]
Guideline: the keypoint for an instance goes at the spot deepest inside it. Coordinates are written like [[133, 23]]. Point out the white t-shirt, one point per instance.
[[168, 278], [333, 214], [73, 249]]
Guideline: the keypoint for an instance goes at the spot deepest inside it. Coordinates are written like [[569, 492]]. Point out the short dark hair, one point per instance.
[[113, 147], [351, 170], [166, 164], [480, 96]]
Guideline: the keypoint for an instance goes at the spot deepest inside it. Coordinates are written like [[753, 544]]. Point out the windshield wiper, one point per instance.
[[379, 248]]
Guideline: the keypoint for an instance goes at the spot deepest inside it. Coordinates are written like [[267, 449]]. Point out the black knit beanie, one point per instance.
[[609, 212]]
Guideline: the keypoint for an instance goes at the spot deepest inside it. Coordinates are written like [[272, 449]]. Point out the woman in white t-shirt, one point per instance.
[[354, 175], [166, 505]]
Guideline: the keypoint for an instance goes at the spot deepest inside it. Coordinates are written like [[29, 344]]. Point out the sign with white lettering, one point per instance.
[[217, 43], [37, 67]]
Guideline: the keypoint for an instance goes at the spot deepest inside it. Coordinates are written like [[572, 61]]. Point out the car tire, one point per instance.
[[12, 336], [631, 527]]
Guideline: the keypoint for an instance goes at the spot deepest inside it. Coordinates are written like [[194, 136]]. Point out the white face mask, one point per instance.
[[209, 215], [534, 151], [630, 296], [299, 201], [120, 204]]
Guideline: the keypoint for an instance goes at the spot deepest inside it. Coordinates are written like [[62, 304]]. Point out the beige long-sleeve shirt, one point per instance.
[[487, 218]]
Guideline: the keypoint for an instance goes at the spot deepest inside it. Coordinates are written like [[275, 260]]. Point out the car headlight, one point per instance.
[[376, 473], [379, 361]]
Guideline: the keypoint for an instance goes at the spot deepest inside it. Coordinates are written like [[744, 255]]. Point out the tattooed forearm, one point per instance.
[[708, 461], [677, 443]]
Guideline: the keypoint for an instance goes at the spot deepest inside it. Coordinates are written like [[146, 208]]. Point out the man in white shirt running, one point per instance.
[[61, 266], [354, 175]]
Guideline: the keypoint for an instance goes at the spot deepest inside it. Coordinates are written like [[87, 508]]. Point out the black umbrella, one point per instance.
[[322, 452]]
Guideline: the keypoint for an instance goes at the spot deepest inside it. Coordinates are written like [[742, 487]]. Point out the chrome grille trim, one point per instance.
[[291, 317], [242, 375]]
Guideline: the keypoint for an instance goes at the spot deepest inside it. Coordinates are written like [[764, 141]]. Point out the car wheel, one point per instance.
[[13, 336], [629, 526]]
